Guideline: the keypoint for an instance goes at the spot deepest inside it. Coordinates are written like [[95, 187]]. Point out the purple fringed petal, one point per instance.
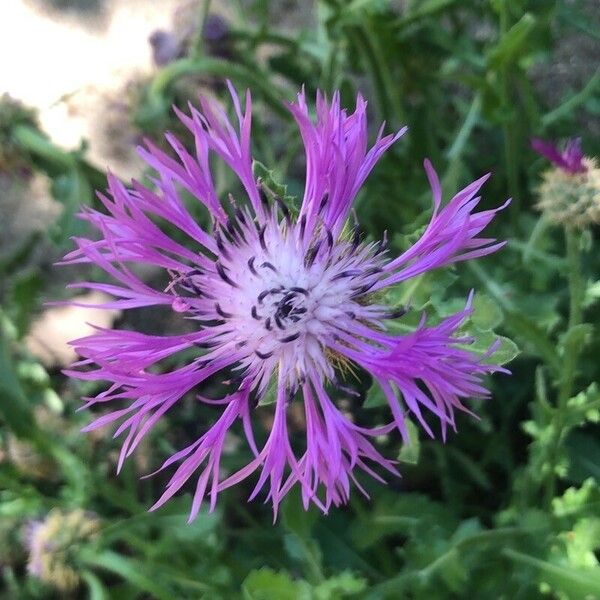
[[337, 159], [569, 160], [207, 449], [451, 235], [335, 447], [428, 359]]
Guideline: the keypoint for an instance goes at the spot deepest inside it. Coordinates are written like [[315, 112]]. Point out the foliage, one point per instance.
[[508, 508]]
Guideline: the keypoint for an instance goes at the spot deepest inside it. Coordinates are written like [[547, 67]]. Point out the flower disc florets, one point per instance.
[[278, 294], [571, 199], [282, 299]]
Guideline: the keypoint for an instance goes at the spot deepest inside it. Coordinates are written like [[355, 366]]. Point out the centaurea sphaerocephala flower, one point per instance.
[[278, 298]]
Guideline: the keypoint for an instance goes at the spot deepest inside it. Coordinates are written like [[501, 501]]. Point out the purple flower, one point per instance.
[[281, 301], [570, 160], [166, 47]]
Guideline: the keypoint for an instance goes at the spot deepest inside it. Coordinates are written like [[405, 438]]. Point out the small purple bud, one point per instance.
[[165, 47], [216, 34], [569, 160], [216, 29]]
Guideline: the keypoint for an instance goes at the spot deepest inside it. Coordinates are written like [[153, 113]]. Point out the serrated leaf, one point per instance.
[[375, 397], [267, 176], [581, 501], [506, 351], [487, 314], [409, 453], [267, 584], [575, 338], [346, 583]]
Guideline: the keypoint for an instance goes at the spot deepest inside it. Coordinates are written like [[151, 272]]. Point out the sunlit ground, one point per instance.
[[72, 61]]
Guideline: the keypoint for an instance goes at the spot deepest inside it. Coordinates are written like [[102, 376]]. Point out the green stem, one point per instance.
[[34, 142], [215, 66], [576, 285], [197, 45], [569, 105], [509, 131], [569, 575], [570, 358]]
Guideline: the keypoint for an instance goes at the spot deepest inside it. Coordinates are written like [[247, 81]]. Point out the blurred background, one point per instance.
[[508, 507]]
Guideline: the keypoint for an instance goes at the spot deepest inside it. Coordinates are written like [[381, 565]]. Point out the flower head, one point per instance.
[[53, 544], [281, 298], [570, 193]]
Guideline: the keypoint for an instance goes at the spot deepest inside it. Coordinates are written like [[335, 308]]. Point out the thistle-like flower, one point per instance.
[[281, 300], [53, 545], [569, 194]]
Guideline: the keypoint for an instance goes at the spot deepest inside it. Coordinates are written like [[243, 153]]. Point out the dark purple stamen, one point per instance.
[[261, 237], [396, 314], [290, 338], [262, 355], [255, 314], [323, 202], [268, 265], [284, 209], [329, 238], [263, 196], [311, 255], [302, 225], [221, 271], [239, 213], [251, 265], [221, 246], [355, 237], [299, 290], [221, 312], [348, 273]]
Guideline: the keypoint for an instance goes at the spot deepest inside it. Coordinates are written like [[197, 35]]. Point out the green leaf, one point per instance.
[[339, 586], [506, 351], [487, 314], [592, 293], [23, 298], [375, 397], [584, 456], [15, 408], [95, 586], [270, 395], [295, 517], [409, 453], [141, 575], [584, 500], [575, 338], [267, 584], [269, 180], [576, 583], [72, 190], [513, 44]]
